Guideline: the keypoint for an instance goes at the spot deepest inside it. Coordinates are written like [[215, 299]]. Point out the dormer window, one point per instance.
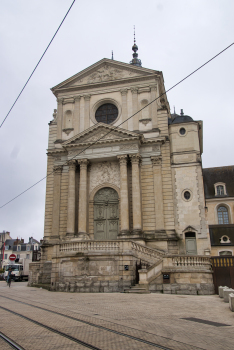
[[220, 189]]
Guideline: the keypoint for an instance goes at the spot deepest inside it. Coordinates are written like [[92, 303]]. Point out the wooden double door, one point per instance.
[[106, 214]]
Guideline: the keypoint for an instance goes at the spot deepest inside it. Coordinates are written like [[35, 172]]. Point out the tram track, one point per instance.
[[155, 345], [10, 342]]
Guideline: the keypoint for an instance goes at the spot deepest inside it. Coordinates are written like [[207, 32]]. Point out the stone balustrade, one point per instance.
[[84, 246], [191, 262]]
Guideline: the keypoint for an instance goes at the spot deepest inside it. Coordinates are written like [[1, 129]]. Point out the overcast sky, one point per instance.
[[173, 36]]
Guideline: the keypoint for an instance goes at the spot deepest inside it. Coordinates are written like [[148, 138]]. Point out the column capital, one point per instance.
[[83, 163], [124, 92], [123, 159], [71, 163], [153, 87], [60, 100], [156, 160], [87, 97], [134, 90], [58, 169], [135, 158], [77, 98]]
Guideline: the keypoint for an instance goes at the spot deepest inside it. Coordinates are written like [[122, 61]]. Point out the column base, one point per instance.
[[124, 233], [137, 231], [70, 234]]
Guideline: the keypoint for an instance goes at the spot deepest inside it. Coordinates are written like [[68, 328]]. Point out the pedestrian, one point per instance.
[[9, 277]]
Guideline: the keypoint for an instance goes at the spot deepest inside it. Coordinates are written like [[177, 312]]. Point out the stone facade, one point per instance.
[[102, 243]]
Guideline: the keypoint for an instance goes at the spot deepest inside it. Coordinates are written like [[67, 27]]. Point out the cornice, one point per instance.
[[100, 142], [105, 84]]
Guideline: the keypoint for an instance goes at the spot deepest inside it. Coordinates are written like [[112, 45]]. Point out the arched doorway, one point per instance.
[[106, 214]]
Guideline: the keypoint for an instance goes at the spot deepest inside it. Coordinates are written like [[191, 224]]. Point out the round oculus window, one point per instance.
[[187, 195], [106, 113], [182, 131]]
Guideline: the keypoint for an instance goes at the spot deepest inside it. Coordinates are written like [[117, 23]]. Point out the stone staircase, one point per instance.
[[138, 289]]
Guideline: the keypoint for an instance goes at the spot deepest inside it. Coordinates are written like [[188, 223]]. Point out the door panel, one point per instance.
[[106, 214], [191, 247]]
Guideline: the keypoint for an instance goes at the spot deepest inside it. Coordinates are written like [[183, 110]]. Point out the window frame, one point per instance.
[[222, 205], [216, 185]]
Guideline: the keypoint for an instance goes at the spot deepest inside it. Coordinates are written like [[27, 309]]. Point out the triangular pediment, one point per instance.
[[101, 133], [103, 71]]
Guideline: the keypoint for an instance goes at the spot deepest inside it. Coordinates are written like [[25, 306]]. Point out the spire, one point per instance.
[[112, 55], [135, 61]]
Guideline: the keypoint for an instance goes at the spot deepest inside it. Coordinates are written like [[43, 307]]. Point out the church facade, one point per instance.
[[125, 199]]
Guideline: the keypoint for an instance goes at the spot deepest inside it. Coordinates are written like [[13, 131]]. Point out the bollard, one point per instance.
[[231, 302], [226, 293], [221, 291]]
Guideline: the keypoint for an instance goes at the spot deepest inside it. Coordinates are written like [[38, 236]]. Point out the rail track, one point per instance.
[[90, 346], [10, 342]]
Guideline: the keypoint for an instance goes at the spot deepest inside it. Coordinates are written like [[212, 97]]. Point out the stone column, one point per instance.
[[82, 221], [154, 107], [56, 200], [71, 198], [124, 93], [135, 108], [158, 195], [59, 119], [76, 121], [87, 111], [136, 193], [124, 207]]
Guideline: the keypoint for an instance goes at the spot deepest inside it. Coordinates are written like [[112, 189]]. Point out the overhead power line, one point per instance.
[[37, 64], [189, 75]]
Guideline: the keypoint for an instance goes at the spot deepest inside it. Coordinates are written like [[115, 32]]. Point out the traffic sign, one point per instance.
[[12, 257]]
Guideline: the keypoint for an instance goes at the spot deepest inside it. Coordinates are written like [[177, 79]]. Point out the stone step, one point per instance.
[[137, 289]]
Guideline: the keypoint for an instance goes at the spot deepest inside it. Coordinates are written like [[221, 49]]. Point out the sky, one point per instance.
[[174, 37]]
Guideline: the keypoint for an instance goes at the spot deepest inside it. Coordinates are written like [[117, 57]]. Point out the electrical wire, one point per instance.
[[116, 127], [37, 64]]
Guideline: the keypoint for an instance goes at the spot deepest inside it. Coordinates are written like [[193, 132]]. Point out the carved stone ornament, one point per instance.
[[124, 92], [198, 158], [102, 134], [156, 160], [77, 98], [83, 163], [105, 73], [156, 148], [71, 163], [134, 90], [60, 100], [128, 147], [106, 194], [153, 87], [135, 158], [145, 121], [122, 159], [68, 130], [55, 114], [104, 172], [58, 169], [87, 97]]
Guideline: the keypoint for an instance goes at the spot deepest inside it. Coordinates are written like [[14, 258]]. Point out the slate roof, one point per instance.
[[217, 231], [223, 174]]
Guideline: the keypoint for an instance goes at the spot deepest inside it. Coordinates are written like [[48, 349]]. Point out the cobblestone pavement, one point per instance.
[[34, 317]]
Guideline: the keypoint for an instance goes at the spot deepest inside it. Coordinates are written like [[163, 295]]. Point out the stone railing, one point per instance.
[[191, 262], [148, 254], [84, 246], [140, 251]]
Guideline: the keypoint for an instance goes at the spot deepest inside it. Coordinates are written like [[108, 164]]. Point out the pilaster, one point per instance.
[[76, 121], [134, 91], [158, 195], [71, 198], [124, 93], [56, 200], [136, 193], [87, 111], [124, 206], [82, 223], [153, 93], [59, 119]]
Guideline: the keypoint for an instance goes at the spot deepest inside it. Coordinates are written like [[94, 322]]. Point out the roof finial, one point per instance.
[[112, 56], [174, 110], [135, 61]]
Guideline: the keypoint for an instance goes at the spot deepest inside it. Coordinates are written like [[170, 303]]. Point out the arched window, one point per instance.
[[225, 252], [106, 113], [220, 190], [223, 215]]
